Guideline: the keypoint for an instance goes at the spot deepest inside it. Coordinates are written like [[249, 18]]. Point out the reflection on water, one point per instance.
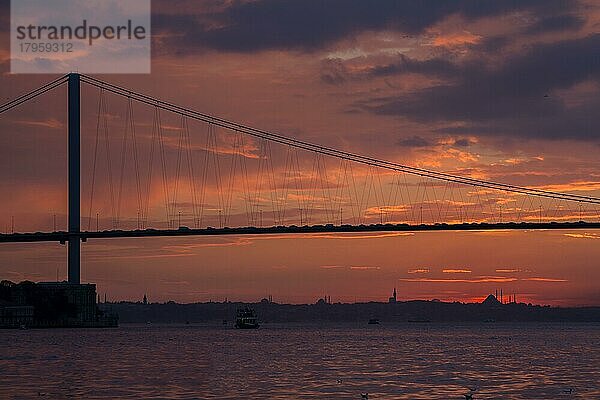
[[419, 361]]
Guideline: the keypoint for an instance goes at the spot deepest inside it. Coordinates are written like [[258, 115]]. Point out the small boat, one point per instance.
[[374, 321], [246, 319]]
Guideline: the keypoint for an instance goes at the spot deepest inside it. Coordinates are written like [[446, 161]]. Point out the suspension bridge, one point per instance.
[[219, 177]]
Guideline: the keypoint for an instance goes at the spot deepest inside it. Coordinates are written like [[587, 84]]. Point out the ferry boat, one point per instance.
[[246, 319]]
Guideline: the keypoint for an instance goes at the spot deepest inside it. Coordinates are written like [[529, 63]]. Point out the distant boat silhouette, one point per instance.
[[246, 319], [374, 321]]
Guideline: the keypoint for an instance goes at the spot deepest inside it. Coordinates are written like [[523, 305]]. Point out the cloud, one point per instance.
[[175, 282], [493, 44], [450, 280], [583, 235], [456, 271], [333, 71], [51, 123], [248, 26], [375, 235], [352, 267], [418, 271], [4, 16], [513, 98], [484, 279], [332, 266], [456, 39], [464, 142], [439, 67], [508, 270], [415, 141], [571, 186], [556, 23], [538, 279]]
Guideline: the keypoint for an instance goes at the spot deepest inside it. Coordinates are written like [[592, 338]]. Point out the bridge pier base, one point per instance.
[[74, 250]]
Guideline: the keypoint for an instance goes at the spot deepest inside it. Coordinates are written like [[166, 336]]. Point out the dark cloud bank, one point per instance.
[[517, 97], [248, 26]]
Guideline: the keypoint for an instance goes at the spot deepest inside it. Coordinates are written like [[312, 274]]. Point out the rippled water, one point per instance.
[[418, 361]]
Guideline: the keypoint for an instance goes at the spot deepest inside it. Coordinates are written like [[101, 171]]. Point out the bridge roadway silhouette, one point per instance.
[[64, 237], [74, 235]]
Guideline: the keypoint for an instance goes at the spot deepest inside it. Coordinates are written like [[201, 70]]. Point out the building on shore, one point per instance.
[[51, 304]]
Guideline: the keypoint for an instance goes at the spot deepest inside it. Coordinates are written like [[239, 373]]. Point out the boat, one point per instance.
[[246, 319], [374, 321]]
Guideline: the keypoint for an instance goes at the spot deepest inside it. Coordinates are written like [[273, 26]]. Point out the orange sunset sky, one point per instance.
[[502, 91]]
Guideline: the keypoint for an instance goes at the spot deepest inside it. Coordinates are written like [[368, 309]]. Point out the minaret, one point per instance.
[[145, 301], [392, 299]]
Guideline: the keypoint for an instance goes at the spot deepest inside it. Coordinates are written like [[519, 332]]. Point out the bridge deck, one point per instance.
[[184, 231]]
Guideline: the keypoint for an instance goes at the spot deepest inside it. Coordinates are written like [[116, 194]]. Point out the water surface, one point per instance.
[[411, 361]]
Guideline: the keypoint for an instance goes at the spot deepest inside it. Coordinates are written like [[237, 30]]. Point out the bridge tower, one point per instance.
[[74, 127]]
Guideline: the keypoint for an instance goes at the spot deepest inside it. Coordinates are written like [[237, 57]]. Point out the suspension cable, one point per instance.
[[330, 151], [33, 94]]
